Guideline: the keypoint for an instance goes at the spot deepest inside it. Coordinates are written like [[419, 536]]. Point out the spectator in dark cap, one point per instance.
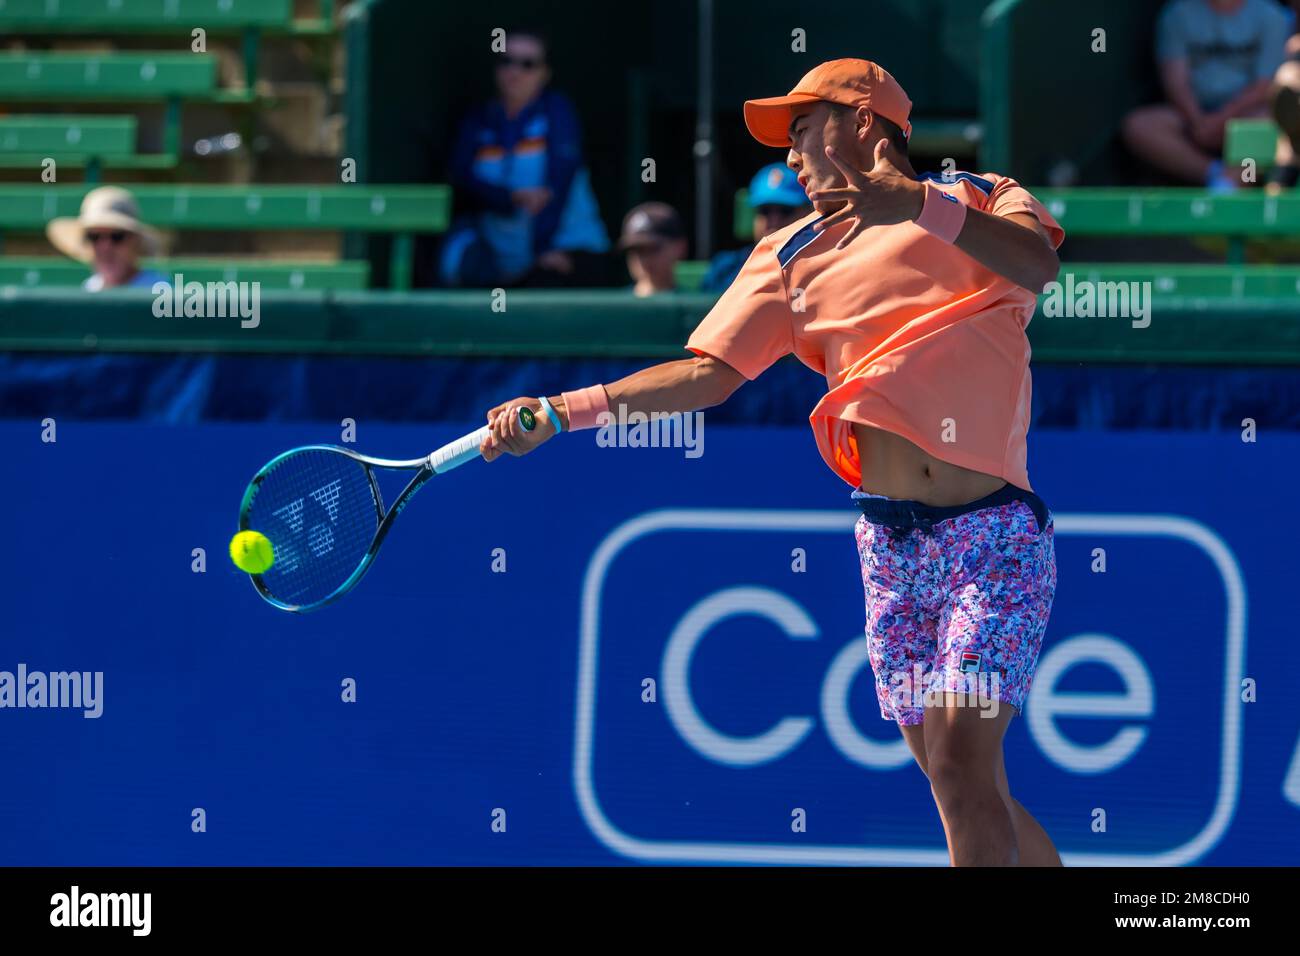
[[654, 241], [777, 200]]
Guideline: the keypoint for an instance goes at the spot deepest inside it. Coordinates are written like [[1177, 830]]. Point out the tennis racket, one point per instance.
[[322, 510]]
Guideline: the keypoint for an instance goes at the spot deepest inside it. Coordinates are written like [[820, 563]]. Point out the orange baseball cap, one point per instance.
[[848, 82]]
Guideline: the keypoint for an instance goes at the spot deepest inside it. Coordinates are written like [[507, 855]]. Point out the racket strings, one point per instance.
[[318, 509]]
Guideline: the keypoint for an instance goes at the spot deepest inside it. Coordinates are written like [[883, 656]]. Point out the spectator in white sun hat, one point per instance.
[[109, 237]]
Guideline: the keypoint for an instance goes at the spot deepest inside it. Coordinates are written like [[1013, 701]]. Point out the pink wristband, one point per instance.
[[584, 407], [943, 215]]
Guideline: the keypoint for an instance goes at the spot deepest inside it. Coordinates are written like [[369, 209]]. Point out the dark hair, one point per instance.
[[893, 132], [531, 30]]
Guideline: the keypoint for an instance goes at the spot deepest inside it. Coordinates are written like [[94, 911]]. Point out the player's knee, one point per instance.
[[955, 773], [1287, 77]]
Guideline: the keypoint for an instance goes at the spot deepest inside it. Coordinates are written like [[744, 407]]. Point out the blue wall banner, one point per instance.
[[660, 662]]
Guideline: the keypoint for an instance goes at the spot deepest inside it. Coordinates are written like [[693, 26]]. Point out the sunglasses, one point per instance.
[[115, 238], [523, 62]]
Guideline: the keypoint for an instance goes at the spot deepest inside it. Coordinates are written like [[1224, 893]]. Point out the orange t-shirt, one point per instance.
[[913, 335]]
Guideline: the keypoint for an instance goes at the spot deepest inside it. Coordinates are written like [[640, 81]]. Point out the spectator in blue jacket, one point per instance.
[[777, 200], [517, 170]]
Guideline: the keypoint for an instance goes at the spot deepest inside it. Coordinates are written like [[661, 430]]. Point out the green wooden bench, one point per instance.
[[400, 211], [136, 16], [156, 16], [87, 135], [90, 142], [1178, 211], [348, 274], [106, 76], [1196, 281], [1250, 139], [249, 18], [117, 77]]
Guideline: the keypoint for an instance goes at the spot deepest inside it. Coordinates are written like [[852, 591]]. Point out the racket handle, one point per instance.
[[466, 448]]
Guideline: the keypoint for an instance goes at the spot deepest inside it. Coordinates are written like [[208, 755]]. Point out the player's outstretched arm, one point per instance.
[[681, 386]]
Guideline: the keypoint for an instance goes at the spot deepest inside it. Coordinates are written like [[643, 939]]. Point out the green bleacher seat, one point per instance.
[[400, 211], [92, 142], [106, 76], [1172, 212], [1250, 139], [350, 275], [136, 16], [98, 17], [1176, 211], [327, 206], [1196, 281], [90, 135]]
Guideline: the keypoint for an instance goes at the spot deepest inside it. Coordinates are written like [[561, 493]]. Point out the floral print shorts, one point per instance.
[[957, 598]]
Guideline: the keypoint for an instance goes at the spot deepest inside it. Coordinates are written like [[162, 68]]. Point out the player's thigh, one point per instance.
[[999, 599], [901, 631], [967, 741]]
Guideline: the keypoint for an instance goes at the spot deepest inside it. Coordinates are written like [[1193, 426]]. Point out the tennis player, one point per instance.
[[910, 294]]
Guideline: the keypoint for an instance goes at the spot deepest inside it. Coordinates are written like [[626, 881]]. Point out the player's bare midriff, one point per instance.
[[897, 468]]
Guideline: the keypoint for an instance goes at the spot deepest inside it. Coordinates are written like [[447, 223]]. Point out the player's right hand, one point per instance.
[[508, 436]]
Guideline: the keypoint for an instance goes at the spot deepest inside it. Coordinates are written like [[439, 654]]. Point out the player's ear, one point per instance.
[[865, 120]]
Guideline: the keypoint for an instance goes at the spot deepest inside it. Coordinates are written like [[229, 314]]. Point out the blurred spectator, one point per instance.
[[1217, 59], [777, 200], [654, 241], [109, 236], [517, 166]]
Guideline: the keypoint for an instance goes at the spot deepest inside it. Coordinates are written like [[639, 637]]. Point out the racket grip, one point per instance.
[[466, 448]]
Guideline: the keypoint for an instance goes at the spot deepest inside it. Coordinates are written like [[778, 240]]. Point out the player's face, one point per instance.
[[811, 131]]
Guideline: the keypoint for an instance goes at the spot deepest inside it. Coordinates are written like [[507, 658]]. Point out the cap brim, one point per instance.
[[768, 120]]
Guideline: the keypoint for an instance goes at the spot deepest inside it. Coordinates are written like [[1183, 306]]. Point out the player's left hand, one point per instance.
[[882, 196]]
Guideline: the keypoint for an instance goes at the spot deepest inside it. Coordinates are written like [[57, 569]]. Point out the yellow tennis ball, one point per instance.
[[252, 552]]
